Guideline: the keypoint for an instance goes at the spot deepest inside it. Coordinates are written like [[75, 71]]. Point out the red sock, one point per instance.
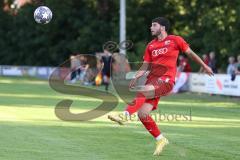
[[138, 102], [150, 125]]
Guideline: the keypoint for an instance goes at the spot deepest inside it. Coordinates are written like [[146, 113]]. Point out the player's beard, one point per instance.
[[157, 33]]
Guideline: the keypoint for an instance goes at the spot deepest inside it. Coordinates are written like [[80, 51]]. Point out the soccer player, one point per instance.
[[162, 51], [106, 60]]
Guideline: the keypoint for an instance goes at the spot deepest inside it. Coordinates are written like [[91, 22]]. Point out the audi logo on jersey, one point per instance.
[[157, 52]]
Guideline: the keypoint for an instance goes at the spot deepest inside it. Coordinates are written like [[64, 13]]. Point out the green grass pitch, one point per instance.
[[29, 129]]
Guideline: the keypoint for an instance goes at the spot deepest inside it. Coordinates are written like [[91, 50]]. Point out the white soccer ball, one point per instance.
[[43, 15]]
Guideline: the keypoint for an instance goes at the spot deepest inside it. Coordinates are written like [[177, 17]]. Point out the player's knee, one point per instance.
[[142, 114], [149, 88], [148, 91]]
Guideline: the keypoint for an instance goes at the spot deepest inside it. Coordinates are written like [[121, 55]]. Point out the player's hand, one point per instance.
[[132, 83], [208, 70], [138, 75]]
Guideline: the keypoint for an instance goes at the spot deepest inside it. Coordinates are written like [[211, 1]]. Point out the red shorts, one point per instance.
[[163, 86]]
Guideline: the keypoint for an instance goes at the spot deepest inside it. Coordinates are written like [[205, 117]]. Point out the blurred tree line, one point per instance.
[[83, 26]]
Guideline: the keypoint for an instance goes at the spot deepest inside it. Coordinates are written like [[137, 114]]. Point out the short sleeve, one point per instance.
[[182, 44], [147, 55]]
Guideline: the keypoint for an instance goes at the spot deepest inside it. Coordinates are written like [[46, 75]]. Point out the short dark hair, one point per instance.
[[163, 22]]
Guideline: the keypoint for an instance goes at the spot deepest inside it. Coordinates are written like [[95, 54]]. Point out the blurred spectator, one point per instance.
[[98, 78], [205, 59], [237, 66], [184, 65], [6, 6], [212, 62], [231, 67], [106, 59], [90, 70], [75, 64], [120, 64], [83, 67], [78, 67]]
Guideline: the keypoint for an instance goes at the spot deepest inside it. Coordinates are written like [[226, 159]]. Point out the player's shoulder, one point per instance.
[[175, 37], [151, 42]]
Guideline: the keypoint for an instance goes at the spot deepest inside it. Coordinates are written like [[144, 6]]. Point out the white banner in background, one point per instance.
[[42, 72], [202, 83], [217, 84], [181, 80], [11, 71]]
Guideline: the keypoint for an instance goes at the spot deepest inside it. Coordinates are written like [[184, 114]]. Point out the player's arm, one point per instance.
[[190, 53], [142, 70]]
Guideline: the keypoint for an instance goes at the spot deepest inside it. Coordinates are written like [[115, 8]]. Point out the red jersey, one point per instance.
[[165, 53], [206, 61]]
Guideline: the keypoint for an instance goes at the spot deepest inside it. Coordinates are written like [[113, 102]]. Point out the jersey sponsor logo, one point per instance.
[[167, 42], [160, 51]]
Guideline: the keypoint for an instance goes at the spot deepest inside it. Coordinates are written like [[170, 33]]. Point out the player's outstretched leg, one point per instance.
[[147, 91], [116, 119], [151, 126], [130, 109]]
